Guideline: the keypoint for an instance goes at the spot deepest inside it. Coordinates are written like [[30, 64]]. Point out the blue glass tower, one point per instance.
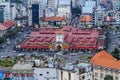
[[35, 14]]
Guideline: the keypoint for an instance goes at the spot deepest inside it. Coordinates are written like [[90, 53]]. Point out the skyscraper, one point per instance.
[[35, 13], [52, 3], [116, 5]]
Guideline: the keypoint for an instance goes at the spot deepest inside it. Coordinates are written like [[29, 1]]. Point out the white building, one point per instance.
[[81, 2], [82, 71], [74, 3], [52, 3], [89, 5], [116, 4], [13, 11], [67, 2], [117, 18], [98, 15], [45, 73], [64, 11], [8, 10]]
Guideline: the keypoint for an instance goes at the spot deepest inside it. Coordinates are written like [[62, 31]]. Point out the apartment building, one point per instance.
[[81, 71], [104, 64]]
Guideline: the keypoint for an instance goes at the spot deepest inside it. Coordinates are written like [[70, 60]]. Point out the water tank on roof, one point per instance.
[[69, 66], [37, 62], [50, 65]]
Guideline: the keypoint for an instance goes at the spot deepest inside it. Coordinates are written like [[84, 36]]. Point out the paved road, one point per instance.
[[113, 40], [8, 49]]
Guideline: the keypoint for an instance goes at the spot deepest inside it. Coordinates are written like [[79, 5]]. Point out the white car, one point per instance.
[[20, 54], [14, 51]]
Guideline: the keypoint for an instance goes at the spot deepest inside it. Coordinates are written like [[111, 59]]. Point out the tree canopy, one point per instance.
[[108, 77], [116, 53]]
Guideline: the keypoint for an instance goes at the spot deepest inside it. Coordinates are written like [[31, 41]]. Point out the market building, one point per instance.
[[62, 39]]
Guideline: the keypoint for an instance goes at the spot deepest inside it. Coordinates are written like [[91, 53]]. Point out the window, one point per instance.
[[47, 72], [106, 70], [101, 75], [96, 74], [83, 77], [116, 78], [41, 74]]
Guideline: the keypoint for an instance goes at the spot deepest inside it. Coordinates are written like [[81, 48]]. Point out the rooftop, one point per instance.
[[6, 25], [71, 36], [86, 18], [22, 66], [104, 59], [54, 18]]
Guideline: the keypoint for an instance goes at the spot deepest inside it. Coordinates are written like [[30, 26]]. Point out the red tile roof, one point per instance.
[[54, 18], [7, 25], [86, 18], [2, 27], [104, 59], [48, 35], [59, 32]]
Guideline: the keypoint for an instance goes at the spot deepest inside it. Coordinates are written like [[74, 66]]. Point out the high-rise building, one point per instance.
[[89, 5], [52, 3], [35, 13], [116, 5], [5, 7], [74, 3], [9, 11], [81, 2], [1, 15], [109, 5]]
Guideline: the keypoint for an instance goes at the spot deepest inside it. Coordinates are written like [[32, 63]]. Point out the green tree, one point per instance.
[[116, 53], [2, 39], [108, 77]]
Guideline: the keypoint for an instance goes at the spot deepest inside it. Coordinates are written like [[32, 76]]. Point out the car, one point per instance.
[[14, 51], [21, 54], [3, 56]]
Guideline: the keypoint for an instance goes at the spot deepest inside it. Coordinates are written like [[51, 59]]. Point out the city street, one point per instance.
[[114, 40], [7, 49]]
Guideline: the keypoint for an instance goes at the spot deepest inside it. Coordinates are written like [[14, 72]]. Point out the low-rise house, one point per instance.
[[86, 20], [104, 64], [22, 71], [53, 21], [81, 71], [4, 27], [45, 73]]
